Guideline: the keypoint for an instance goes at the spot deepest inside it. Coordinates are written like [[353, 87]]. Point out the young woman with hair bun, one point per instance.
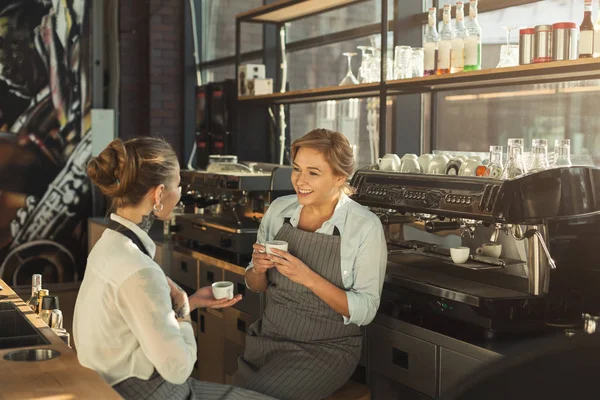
[[132, 323], [324, 288]]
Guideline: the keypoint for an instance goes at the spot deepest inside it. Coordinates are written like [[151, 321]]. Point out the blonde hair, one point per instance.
[[126, 171], [336, 149]]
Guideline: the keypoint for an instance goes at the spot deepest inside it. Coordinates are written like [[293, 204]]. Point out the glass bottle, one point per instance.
[[431, 44], [539, 154], [562, 153], [41, 294], [49, 303], [514, 166], [36, 286], [597, 34], [473, 40], [586, 32], [458, 42], [495, 166], [445, 46]]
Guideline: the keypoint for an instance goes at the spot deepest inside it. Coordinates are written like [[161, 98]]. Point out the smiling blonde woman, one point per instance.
[[318, 294]]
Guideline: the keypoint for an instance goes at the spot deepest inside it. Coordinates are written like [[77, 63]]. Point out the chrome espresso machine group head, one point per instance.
[[546, 223]]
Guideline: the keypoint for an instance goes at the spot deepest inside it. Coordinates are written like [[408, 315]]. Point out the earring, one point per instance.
[[159, 208]]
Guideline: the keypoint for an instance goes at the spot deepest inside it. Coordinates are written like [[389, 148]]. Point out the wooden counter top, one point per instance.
[[61, 378]]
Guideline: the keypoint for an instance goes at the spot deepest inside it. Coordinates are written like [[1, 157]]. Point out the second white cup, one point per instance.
[[223, 290], [460, 255]]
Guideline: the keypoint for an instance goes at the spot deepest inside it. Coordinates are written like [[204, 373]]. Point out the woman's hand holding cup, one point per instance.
[[260, 259]]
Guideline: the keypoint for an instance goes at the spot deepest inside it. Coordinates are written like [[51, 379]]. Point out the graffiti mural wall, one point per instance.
[[45, 139]]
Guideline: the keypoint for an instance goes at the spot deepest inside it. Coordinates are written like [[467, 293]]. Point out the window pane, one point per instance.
[[218, 28], [472, 120], [357, 119], [326, 65], [341, 19]]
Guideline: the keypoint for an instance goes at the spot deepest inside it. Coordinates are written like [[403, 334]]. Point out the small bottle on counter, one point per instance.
[[586, 32], [49, 303], [41, 294], [36, 286]]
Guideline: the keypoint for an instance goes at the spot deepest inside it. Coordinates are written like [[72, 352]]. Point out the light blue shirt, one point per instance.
[[363, 249]]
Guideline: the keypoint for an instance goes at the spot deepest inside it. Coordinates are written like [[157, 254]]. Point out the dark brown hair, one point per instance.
[[334, 146], [126, 171]]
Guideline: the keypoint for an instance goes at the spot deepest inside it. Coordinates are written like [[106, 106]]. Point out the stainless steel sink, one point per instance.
[[16, 330]]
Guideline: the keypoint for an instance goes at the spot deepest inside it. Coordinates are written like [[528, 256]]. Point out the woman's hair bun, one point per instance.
[[110, 170], [126, 171]]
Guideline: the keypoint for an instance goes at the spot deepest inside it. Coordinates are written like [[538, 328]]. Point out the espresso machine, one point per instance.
[[224, 206], [546, 222]]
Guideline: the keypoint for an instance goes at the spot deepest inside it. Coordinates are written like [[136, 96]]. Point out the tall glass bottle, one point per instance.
[[36, 286], [586, 32], [431, 43], [597, 34], [473, 40], [458, 42], [445, 46]]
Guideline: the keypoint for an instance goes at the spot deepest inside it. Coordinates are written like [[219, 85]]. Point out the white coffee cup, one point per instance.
[[390, 162], [490, 250], [410, 165], [275, 244], [424, 160], [223, 290], [460, 255]]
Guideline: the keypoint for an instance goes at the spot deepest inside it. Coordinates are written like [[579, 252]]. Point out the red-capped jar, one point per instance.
[[526, 46], [542, 44], [565, 41]]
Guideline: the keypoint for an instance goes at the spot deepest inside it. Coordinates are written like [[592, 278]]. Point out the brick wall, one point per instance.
[[152, 70]]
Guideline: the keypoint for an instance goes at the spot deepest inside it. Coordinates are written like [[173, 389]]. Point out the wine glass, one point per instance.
[[363, 70], [509, 54], [349, 79]]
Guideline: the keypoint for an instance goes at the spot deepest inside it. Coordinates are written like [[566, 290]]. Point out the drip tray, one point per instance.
[[475, 262]]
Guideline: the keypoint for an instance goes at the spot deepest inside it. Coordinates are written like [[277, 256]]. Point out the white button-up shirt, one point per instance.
[[124, 325], [363, 249]]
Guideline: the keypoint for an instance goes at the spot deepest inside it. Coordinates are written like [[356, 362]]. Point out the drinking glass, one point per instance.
[[562, 153], [509, 53], [539, 154], [418, 62], [349, 79], [363, 70], [403, 65]]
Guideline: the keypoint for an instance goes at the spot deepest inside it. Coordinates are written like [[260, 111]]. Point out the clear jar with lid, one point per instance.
[[526, 46], [565, 41], [542, 44]]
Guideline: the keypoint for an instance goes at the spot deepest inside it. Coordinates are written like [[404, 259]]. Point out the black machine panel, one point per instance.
[[530, 199], [215, 120]]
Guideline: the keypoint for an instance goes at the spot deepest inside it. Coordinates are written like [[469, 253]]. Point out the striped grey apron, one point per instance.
[[156, 387], [300, 348]]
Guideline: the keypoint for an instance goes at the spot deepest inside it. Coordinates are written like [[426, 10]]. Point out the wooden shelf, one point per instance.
[[321, 94], [559, 71], [289, 10], [520, 75]]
